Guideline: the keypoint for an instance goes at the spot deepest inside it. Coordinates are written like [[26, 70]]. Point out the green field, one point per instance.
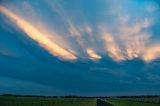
[[45, 101], [134, 101], [61, 101]]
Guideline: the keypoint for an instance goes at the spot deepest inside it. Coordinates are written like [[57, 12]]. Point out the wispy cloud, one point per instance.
[[80, 32], [38, 36], [124, 35], [93, 55], [111, 46], [128, 35], [134, 39], [151, 52], [6, 53]]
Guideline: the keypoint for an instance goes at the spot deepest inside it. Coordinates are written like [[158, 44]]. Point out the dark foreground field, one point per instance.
[[59, 101], [134, 101], [45, 101]]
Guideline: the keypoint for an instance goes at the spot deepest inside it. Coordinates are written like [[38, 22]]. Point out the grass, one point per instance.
[[125, 102], [50, 101], [45, 101], [144, 99]]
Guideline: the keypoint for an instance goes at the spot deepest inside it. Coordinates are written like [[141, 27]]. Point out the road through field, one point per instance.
[[103, 103]]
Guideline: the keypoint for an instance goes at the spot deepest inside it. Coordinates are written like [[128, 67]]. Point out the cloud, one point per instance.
[[128, 35], [151, 52], [111, 46], [80, 31], [134, 39], [70, 30], [152, 7], [123, 35], [38, 36], [19, 86], [153, 77], [93, 55], [6, 53]]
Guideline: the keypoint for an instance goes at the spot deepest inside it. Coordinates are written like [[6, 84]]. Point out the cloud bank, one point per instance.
[[125, 37]]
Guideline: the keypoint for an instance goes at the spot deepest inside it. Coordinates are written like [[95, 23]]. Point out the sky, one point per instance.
[[80, 47]]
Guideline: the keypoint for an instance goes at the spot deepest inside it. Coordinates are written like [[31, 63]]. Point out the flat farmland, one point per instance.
[[45, 101], [141, 101], [77, 101]]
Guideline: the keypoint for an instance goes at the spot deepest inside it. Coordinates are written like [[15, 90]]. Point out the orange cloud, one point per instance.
[[38, 36], [134, 45], [93, 55], [111, 46], [134, 39], [151, 53]]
